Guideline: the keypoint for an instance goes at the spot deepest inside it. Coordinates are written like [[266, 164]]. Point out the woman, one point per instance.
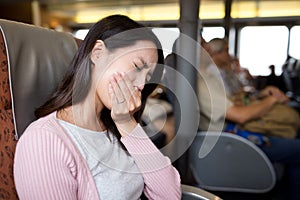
[[87, 143]]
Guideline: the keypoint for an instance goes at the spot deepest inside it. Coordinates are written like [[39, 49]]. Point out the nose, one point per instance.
[[140, 87], [140, 82]]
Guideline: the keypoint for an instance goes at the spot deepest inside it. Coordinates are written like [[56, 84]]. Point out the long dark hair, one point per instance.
[[115, 31]]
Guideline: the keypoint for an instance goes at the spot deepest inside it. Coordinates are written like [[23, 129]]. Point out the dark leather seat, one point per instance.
[[291, 77], [33, 61]]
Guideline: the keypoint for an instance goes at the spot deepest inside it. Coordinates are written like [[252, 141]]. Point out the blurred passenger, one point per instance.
[[158, 117], [275, 80], [171, 61], [87, 143], [217, 106], [169, 78], [243, 74]]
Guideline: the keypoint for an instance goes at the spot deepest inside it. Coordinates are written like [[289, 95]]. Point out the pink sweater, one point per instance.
[[48, 166]]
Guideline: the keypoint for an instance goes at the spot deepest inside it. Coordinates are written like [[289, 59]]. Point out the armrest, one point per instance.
[[194, 193], [232, 164]]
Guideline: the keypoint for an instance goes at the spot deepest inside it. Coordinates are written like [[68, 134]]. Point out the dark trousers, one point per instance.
[[287, 152]]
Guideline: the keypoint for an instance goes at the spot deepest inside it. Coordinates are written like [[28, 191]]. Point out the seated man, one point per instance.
[[217, 107], [236, 92]]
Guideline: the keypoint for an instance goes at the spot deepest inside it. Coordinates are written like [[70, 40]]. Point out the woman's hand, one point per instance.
[[125, 101]]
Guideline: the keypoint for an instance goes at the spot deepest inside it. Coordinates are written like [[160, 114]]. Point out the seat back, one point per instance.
[[291, 77], [33, 61], [7, 131], [234, 164]]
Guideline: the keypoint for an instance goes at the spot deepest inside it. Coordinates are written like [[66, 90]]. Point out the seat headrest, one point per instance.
[[37, 60]]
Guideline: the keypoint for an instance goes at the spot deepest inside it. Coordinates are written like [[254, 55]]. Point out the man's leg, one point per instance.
[[287, 152]]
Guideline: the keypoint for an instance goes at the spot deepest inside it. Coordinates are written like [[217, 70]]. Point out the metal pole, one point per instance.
[[227, 18], [188, 118]]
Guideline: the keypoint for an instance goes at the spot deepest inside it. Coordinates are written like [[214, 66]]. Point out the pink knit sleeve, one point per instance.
[[44, 168], [162, 181]]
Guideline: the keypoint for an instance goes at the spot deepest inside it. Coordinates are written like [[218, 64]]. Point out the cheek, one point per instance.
[[102, 92], [136, 78], [131, 75]]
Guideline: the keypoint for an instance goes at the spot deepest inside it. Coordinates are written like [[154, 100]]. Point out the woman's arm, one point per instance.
[[43, 166], [162, 181]]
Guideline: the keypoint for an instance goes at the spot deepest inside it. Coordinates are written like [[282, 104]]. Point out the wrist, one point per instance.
[[262, 94], [126, 127]]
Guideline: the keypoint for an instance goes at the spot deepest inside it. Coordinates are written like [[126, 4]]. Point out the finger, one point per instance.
[[117, 91], [131, 93], [136, 97], [134, 91], [111, 94], [119, 112], [125, 86]]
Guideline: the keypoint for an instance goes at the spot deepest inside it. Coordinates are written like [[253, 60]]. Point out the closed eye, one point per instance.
[[137, 67]]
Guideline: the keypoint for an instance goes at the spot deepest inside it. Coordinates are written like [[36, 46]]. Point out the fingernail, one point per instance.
[[116, 75], [112, 79]]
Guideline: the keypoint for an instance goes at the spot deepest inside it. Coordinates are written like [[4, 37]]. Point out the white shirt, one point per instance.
[[115, 173]]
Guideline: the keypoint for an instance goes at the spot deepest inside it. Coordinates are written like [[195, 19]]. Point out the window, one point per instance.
[[81, 33], [167, 37], [294, 50], [209, 33], [263, 46]]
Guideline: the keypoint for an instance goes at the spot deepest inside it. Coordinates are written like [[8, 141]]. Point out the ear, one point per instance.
[[97, 51]]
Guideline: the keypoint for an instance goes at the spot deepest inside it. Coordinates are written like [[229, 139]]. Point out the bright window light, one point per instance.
[[167, 37], [80, 34], [294, 50], [209, 33], [262, 46]]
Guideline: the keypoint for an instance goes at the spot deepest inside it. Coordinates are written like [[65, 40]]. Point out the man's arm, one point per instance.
[[274, 91], [242, 114]]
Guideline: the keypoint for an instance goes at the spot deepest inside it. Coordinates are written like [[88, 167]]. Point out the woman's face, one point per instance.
[[137, 62]]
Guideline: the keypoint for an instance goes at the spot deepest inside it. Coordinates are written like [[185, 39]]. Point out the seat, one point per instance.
[[33, 61], [291, 77], [230, 164], [194, 193]]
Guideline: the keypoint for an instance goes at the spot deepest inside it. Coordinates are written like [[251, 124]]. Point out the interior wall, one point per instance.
[[17, 11]]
